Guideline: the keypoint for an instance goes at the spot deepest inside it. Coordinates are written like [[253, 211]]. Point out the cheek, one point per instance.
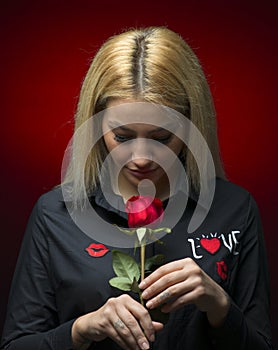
[[177, 146], [109, 141], [119, 155], [168, 158]]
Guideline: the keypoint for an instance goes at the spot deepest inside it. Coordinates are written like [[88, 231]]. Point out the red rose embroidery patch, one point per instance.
[[222, 269], [97, 250]]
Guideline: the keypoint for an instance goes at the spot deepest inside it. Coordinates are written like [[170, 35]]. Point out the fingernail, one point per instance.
[[149, 305], [145, 346], [145, 294], [142, 285]]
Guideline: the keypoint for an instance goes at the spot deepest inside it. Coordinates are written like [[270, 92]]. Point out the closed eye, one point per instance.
[[164, 140], [121, 138]]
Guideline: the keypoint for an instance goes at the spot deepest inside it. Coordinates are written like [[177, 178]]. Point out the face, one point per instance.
[[140, 150]]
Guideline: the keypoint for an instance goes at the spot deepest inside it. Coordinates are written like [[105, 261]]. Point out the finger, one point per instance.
[[123, 335], [161, 299], [157, 326], [131, 332], [171, 294], [116, 335], [160, 272], [140, 314], [183, 300], [146, 323], [133, 315], [164, 282]]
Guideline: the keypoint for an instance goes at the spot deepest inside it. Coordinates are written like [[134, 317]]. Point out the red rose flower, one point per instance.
[[144, 210]]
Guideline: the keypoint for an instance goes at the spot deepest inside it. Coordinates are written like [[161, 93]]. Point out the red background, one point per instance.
[[46, 47]]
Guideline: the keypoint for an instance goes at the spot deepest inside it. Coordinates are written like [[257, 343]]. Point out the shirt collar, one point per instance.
[[112, 202]]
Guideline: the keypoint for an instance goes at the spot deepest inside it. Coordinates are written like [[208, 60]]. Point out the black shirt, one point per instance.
[[59, 277]]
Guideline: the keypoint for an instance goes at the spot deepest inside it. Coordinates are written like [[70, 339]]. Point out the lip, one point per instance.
[[97, 250], [141, 173]]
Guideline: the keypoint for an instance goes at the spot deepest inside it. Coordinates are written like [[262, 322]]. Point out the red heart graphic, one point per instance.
[[212, 245]]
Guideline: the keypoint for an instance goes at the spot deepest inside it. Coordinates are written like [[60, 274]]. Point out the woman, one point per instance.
[[214, 282]]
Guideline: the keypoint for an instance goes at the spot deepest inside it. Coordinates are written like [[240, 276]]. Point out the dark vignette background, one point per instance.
[[46, 47]]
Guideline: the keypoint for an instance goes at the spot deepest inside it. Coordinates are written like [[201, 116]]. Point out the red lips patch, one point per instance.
[[212, 245], [222, 269], [97, 250]]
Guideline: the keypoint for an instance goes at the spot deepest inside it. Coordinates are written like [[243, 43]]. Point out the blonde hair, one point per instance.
[[152, 64]]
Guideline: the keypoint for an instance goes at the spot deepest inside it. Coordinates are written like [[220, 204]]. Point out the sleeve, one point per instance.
[[247, 326], [32, 322]]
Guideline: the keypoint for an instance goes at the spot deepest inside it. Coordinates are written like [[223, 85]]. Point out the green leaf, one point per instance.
[[122, 283], [125, 266], [134, 286], [154, 260]]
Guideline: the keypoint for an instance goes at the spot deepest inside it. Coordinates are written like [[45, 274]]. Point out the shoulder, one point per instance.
[[51, 219], [235, 199], [49, 205], [231, 193], [53, 195], [227, 189], [51, 200]]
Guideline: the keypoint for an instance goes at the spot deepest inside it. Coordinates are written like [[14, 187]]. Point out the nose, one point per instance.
[[141, 163], [141, 154]]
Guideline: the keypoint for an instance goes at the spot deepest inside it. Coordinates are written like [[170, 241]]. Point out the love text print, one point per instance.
[[213, 242]]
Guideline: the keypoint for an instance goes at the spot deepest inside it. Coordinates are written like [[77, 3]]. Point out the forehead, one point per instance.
[[141, 115]]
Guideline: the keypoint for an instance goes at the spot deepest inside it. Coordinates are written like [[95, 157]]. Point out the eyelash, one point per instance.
[[121, 139]]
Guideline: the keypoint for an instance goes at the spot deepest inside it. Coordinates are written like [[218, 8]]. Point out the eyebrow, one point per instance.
[[117, 125]]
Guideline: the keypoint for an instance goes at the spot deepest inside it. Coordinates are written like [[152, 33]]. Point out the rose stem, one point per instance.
[[141, 299], [143, 251]]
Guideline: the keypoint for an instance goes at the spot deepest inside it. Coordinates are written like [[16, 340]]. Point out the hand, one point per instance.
[[183, 282], [122, 319]]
